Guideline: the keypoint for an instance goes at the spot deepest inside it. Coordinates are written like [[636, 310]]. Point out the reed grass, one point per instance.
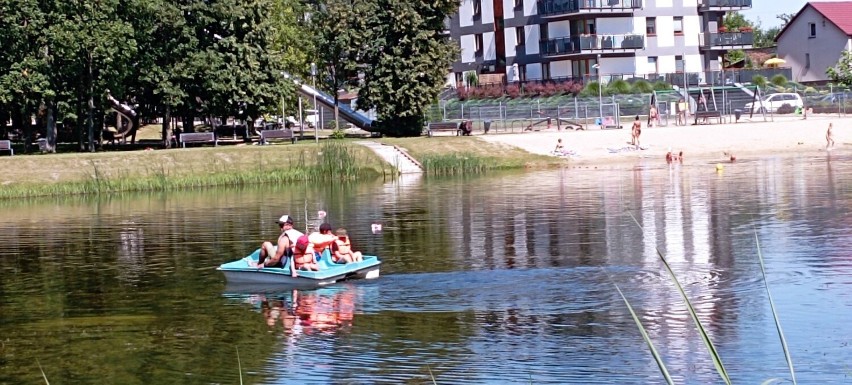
[[717, 360], [42, 372], [457, 164], [239, 364], [647, 338], [333, 162], [774, 313]]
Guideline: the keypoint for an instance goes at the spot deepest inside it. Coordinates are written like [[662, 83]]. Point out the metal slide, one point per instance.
[[347, 113]]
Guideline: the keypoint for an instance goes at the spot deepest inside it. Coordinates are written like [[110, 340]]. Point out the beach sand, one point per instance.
[[706, 142]]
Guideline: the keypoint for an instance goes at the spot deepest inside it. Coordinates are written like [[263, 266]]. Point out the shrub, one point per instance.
[[533, 88], [513, 90], [471, 78], [759, 80], [779, 80], [786, 109], [619, 86], [642, 87], [810, 90], [591, 89], [662, 86], [338, 134], [573, 88], [551, 89], [462, 93]]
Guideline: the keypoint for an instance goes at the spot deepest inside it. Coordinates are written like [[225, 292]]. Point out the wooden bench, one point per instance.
[[198, 137], [705, 115], [443, 126], [6, 145], [266, 135]]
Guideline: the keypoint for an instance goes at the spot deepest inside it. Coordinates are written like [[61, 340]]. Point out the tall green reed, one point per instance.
[[647, 338], [774, 313], [456, 164], [717, 360]]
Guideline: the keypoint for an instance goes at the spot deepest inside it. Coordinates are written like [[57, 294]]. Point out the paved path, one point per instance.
[[395, 156]]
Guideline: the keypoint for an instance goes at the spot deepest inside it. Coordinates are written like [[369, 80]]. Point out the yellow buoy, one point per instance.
[[719, 167]]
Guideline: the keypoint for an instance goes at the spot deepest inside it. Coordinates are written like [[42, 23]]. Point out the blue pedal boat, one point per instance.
[[242, 272]]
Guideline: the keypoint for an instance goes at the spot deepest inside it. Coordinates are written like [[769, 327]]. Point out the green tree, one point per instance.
[[735, 20], [338, 25], [841, 73], [406, 61]]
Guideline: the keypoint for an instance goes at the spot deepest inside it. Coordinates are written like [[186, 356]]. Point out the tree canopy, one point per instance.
[[841, 73]]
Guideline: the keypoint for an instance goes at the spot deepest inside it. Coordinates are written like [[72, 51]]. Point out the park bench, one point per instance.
[[443, 126], [6, 145], [266, 135], [705, 115], [198, 137]]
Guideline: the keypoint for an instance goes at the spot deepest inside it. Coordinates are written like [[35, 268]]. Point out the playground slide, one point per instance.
[[127, 112], [749, 92], [327, 100]]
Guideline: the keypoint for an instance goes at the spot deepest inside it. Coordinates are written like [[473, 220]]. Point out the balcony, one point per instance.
[[586, 44], [553, 8], [723, 5], [726, 40]]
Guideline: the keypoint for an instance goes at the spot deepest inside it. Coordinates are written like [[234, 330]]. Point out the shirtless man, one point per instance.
[[271, 255]]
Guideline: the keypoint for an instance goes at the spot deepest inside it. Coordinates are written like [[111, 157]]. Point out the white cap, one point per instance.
[[285, 219]]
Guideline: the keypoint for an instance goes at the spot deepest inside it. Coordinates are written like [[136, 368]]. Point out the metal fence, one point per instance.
[[731, 102]]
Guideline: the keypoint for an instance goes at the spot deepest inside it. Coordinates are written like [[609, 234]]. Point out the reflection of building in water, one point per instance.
[[131, 252]]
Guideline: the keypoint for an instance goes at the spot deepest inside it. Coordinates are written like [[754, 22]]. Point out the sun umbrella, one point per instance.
[[774, 61]]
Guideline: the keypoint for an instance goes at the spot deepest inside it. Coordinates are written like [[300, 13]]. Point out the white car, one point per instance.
[[772, 102]]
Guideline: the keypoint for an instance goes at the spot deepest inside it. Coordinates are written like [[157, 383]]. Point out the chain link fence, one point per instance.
[[731, 102]]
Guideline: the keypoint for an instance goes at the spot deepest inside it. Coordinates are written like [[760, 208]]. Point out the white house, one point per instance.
[[815, 38]]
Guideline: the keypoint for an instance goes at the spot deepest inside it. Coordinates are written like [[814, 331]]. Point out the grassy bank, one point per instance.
[[451, 155], [161, 170], [157, 170]]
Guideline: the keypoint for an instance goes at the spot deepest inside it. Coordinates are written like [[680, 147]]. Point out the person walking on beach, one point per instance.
[[637, 130], [829, 140], [653, 118]]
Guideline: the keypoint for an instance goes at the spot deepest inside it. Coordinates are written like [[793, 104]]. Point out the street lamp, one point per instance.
[[316, 110], [597, 67]]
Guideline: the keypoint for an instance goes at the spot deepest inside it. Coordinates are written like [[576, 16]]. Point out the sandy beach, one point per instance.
[[745, 139]]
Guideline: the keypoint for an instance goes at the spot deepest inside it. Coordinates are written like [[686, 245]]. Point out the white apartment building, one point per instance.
[[562, 39]]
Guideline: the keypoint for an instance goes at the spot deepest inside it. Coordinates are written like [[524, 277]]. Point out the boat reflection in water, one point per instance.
[[305, 311]]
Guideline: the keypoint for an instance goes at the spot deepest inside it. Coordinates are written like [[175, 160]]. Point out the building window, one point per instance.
[[807, 60], [678, 25], [519, 36], [652, 64], [679, 63], [812, 29], [651, 26], [477, 8], [478, 44]]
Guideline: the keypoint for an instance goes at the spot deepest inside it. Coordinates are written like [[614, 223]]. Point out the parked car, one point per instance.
[[837, 97], [772, 102]]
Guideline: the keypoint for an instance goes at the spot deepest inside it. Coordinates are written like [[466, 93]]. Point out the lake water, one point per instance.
[[507, 278]]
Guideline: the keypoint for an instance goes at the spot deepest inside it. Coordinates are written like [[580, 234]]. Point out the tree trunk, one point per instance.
[[19, 125], [336, 110], [78, 128], [167, 135], [4, 130], [249, 129], [51, 127], [189, 123], [90, 123]]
